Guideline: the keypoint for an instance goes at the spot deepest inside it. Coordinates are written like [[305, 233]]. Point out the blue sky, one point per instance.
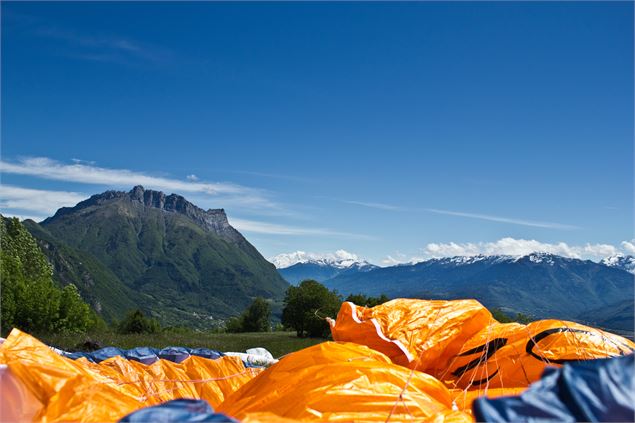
[[391, 131]]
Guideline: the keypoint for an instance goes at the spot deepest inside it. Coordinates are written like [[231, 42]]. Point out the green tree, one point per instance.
[[234, 325], [363, 300], [137, 322], [256, 318], [502, 317], [13, 286], [30, 299], [304, 308], [74, 314]]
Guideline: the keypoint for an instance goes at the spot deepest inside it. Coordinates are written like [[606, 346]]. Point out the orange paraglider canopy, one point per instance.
[[78, 390], [460, 342], [342, 382], [403, 360]]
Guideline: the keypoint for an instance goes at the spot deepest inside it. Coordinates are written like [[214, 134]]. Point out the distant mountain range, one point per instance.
[[323, 269], [539, 285], [620, 261], [161, 253]]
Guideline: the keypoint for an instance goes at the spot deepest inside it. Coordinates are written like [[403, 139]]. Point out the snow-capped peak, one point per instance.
[[540, 257], [620, 261], [341, 259], [462, 260]]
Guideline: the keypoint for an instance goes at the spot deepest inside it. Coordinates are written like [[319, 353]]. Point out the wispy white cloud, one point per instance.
[[192, 178], [340, 257], [514, 221], [87, 44], [86, 173], [491, 218], [89, 174], [104, 48], [380, 206], [36, 202], [86, 162], [515, 247], [254, 226]]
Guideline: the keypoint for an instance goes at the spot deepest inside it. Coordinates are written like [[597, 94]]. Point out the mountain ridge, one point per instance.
[[214, 220], [620, 261], [321, 270], [184, 265]]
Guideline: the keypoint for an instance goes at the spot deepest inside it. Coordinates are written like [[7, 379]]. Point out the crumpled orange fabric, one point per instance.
[[341, 382], [402, 360], [460, 343], [78, 390]]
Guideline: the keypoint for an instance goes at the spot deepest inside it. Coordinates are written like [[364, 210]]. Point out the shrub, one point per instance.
[[136, 322], [502, 317], [234, 325], [304, 308], [363, 300], [254, 319], [74, 314]]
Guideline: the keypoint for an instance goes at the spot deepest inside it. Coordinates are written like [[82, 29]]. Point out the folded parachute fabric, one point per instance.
[[460, 342], [428, 361], [341, 382], [425, 334], [181, 410], [254, 357], [327, 382], [79, 390], [601, 390]]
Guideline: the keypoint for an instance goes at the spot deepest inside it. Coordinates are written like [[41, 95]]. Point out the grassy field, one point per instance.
[[278, 343]]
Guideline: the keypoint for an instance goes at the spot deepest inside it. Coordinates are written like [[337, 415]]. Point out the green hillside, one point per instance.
[[98, 285], [179, 263]]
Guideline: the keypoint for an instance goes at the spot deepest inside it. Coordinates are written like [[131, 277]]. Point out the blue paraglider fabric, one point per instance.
[[145, 355], [601, 390], [180, 410]]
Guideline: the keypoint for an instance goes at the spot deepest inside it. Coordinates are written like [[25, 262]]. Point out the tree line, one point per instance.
[[306, 307], [31, 301]]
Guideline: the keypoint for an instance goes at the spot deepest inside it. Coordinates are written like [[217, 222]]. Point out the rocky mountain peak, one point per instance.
[[620, 261], [173, 202], [213, 220]]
